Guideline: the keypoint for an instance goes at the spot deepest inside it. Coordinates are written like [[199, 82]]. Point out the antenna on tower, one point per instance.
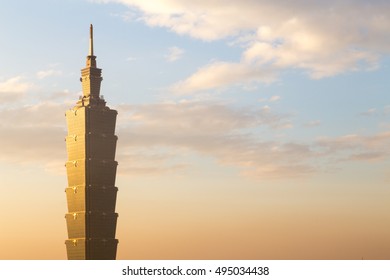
[[91, 40]]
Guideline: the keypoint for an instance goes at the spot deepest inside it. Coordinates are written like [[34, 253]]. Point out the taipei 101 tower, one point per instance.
[[91, 169]]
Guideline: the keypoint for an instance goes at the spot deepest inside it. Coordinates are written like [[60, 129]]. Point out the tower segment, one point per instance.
[[91, 170]]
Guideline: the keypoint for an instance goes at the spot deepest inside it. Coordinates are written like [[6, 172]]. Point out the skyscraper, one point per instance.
[[91, 169]]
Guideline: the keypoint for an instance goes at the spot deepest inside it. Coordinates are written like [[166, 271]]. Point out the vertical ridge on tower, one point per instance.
[[91, 170]]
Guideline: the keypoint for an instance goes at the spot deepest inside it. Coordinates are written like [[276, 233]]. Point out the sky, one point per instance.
[[247, 129]]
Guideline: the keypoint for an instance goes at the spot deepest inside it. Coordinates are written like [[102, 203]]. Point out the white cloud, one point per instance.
[[48, 73], [369, 112], [131, 58], [14, 85], [313, 123], [13, 89], [274, 98], [221, 75], [174, 53], [271, 99], [34, 115], [126, 16], [322, 38]]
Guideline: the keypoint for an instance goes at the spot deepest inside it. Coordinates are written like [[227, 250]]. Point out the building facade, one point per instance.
[[91, 170]]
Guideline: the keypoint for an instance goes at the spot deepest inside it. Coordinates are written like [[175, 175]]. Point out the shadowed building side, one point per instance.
[[91, 170]]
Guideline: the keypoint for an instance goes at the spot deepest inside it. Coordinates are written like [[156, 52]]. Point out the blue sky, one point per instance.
[[288, 101]]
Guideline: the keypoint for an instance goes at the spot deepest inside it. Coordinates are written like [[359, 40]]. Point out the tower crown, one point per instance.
[[91, 77]]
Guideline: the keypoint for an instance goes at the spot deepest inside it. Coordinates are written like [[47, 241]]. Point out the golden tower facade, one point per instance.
[[91, 170]]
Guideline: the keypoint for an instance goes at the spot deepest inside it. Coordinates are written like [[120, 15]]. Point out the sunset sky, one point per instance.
[[247, 129]]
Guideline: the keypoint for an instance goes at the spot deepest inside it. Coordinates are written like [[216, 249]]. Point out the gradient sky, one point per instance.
[[247, 129]]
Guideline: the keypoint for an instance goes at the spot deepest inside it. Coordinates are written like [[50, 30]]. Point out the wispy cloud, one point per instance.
[[174, 53], [48, 73], [131, 58], [14, 85], [215, 130], [369, 112], [274, 98], [126, 16], [356, 147], [314, 123], [30, 137], [228, 135], [161, 137], [386, 110], [13, 89], [222, 75], [150, 161]]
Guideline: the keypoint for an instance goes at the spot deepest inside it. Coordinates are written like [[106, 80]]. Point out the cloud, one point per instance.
[[14, 85], [32, 144], [131, 58], [34, 133], [149, 161], [164, 137], [222, 75], [174, 53], [64, 97], [322, 38], [194, 117], [48, 73], [164, 134], [210, 129], [355, 147], [34, 115], [29, 136], [126, 16], [386, 110], [313, 123], [13, 89], [368, 113], [366, 156], [274, 98], [271, 99]]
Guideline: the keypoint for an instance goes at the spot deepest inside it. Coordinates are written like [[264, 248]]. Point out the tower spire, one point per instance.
[[91, 58], [90, 41]]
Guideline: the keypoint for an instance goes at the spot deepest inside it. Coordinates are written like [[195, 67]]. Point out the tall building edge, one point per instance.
[[91, 171]]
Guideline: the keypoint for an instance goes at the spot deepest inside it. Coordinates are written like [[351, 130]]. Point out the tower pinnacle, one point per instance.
[[91, 77], [90, 41]]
